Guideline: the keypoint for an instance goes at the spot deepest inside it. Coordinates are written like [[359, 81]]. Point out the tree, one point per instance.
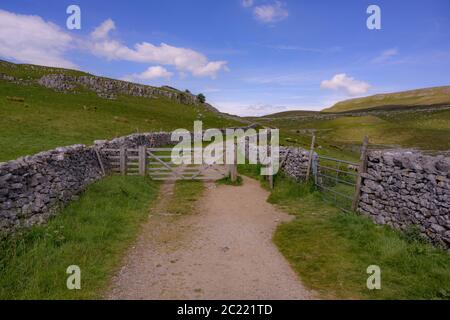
[[201, 98]]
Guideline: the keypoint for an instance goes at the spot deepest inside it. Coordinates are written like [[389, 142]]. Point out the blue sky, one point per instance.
[[247, 57]]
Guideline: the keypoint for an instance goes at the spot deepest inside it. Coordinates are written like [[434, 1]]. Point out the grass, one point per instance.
[[341, 137], [185, 195], [39, 119], [419, 97], [331, 250], [93, 233], [227, 181], [30, 72]]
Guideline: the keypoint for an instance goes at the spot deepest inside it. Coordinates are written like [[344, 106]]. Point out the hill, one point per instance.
[[42, 108], [414, 98], [293, 113]]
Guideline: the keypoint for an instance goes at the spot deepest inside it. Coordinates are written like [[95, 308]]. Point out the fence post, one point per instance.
[[315, 163], [123, 160], [310, 158], [361, 169], [142, 160], [269, 153], [233, 166]]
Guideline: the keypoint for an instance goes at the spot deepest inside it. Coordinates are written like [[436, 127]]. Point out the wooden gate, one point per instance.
[[157, 163]]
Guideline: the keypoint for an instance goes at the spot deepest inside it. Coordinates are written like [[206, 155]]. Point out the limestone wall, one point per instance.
[[404, 188], [33, 188]]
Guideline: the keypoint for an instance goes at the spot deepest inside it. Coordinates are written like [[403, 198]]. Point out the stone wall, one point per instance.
[[33, 188], [294, 162], [401, 189]]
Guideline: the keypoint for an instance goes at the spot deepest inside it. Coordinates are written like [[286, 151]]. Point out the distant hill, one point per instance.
[[293, 113], [414, 98]]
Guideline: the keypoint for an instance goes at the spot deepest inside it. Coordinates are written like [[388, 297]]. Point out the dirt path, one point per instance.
[[224, 251]]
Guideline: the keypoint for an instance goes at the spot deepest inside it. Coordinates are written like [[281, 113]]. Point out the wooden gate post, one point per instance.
[[310, 158], [315, 169], [142, 160], [233, 166], [123, 160], [361, 169]]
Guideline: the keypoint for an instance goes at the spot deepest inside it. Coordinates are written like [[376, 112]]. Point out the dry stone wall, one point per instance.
[[402, 189], [294, 162], [33, 188]]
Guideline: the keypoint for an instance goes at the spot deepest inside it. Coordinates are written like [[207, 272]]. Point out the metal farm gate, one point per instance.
[[339, 181]]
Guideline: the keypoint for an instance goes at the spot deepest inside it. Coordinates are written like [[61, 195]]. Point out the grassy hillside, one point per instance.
[[412, 98], [293, 113], [29, 71], [34, 118], [341, 135]]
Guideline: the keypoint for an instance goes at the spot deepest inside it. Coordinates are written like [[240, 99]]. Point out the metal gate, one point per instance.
[[340, 180], [336, 179]]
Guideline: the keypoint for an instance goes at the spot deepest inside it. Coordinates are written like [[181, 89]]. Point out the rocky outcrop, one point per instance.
[[402, 189], [110, 88]]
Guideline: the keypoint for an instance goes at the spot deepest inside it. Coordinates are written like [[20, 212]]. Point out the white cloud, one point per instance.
[[386, 55], [247, 3], [269, 13], [151, 73], [347, 84], [183, 59], [250, 109], [102, 31], [30, 39]]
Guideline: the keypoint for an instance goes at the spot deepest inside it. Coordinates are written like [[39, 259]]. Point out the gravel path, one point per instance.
[[223, 251]]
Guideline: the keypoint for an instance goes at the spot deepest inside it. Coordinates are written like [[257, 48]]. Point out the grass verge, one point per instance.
[[331, 250], [186, 193], [93, 233]]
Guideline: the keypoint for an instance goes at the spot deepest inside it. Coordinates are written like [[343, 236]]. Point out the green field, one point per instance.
[[331, 250], [46, 119], [405, 99], [340, 136]]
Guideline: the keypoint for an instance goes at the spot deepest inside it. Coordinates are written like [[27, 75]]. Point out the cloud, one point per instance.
[[151, 73], [247, 3], [183, 59], [284, 47], [386, 55], [269, 13], [249, 109], [347, 84], [102, 31], [30, 39]]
